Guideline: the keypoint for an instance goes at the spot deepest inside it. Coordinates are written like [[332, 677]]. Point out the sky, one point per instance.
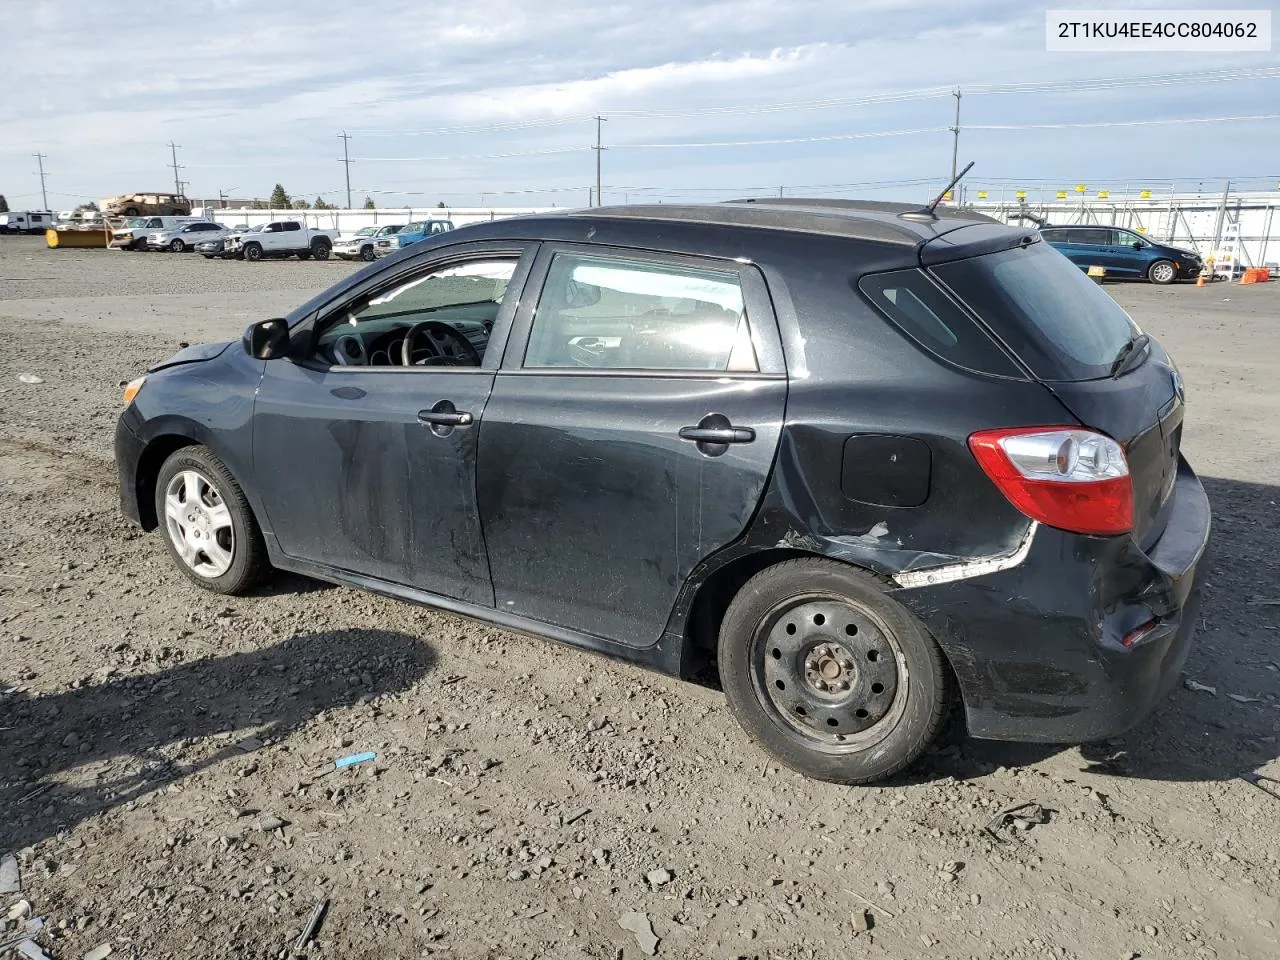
[[490, 102]]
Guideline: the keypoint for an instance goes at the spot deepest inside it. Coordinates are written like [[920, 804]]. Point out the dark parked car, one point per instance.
[[868, 462], [1123, 253]]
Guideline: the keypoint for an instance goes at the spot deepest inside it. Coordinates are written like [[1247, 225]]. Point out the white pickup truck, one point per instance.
[[282, 238]]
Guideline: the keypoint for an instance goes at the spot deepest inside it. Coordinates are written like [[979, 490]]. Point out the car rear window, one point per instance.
[[928, 316], [1060, 323]]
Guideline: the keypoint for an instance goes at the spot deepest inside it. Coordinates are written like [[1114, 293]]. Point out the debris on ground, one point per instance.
[[1021, 817], [30, 378], [343, 762], [658, 878], [312, 927], [31, 950], [10, 879], [1241, 698], [639, 925], [576, 815], [1195, 686], [861, 921], [100, 952]]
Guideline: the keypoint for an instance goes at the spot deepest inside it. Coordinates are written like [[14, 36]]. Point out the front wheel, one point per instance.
[[209, 529], [828, 674], [366, 254], [253, 252], [1162, 272], [177, 246]]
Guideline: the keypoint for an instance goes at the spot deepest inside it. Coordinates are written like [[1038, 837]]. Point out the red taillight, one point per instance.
[[1064, 477]]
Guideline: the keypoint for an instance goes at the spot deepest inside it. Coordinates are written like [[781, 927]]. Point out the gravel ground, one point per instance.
[[163, 752]]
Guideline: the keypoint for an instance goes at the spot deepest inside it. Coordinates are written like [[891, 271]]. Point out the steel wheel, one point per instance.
[[199, 524], [830, 670], [1162, 272]]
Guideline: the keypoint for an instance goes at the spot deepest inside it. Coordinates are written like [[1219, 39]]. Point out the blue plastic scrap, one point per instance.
[[352, 760]]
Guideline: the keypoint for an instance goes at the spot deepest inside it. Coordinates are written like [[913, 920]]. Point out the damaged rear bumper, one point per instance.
[[1080, 638]]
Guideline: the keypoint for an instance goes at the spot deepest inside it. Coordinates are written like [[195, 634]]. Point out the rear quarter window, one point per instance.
[[922, 311]]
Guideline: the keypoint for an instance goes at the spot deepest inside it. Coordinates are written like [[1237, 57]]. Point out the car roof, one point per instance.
[[852, 219]]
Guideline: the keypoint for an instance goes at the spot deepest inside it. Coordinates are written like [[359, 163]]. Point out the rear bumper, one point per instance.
[[1038, 649]]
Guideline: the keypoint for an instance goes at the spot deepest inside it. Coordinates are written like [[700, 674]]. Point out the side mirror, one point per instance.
[[266, 339], [1138, 244]]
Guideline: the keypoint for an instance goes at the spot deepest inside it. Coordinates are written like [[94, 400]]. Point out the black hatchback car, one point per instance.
[[872, 461]]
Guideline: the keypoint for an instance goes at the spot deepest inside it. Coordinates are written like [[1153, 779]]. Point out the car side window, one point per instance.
[[922, 311], [1098, 237], [292, 225], [618, 314], [446, 313], [1053, 236]]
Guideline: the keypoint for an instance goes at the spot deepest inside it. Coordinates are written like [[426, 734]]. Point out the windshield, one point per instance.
[[138, 222], [1062, 324], [366, 231]]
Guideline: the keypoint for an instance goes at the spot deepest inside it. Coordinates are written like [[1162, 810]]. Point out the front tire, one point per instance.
[[366, 254], [1162, 272], [828, 674], [177, 246], [208, 527], [253, 252]]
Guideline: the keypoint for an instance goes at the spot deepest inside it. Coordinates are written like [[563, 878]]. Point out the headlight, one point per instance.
[[131, 389]]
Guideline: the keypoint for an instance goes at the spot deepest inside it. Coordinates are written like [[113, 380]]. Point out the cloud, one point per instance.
[[256, 93]]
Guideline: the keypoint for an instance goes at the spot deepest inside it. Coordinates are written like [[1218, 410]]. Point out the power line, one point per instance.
[[1121, 123], [887, 97]]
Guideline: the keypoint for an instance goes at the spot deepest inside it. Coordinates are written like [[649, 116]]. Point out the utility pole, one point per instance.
[[44, 197], [955, 135], [173, 152], [346, 161], [599, 149]]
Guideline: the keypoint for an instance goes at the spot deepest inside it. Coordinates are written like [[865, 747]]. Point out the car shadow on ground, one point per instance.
[[1193, 735], [68, 756]]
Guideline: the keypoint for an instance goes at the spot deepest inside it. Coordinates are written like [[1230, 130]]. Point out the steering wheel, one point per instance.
[[444, 346], [349, 351]]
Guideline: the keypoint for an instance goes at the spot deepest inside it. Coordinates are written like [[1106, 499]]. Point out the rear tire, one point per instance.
[[196, 494], [320, 250], [828, 674], [1162, 272]]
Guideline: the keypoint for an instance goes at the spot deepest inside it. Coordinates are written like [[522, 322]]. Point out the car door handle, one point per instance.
[[718, 434], [445, 418]]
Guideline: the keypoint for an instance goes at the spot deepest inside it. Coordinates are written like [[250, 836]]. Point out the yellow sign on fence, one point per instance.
[[982, 194], [1146, 194], [1062, 194], [1021, 194], [1104, 194], [1081, 188]]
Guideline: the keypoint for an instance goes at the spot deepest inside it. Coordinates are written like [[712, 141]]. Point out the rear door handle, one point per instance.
[[718, 434], [445, 418]]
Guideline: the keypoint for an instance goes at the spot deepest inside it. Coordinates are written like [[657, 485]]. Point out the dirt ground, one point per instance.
[[163, 752]]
